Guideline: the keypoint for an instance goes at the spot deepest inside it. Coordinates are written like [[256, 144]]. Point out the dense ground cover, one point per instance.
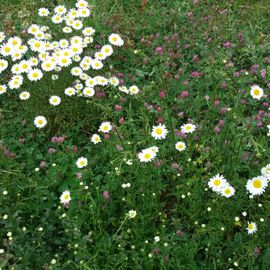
[[193, 62]]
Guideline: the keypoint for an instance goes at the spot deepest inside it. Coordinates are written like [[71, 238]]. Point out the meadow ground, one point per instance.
[[179, 178]]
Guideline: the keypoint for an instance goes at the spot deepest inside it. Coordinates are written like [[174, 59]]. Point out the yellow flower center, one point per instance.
[[257, 183], [217, 182], [40, 122], [250, 226], [159, 131], [256, 92], [147, 156], [227, 191]]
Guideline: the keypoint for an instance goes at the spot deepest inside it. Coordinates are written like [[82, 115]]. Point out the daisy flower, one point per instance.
[[6, 49], [24, 95], [123, 89], [180, 146], [256, 92], [266, 171], [227, 191], [67, 29], [43, 12], [3, 89], [84, 12], [88, 91], [105, 127], [2, 36], [60, 10], [134, 90], [159, 132], [132, 213], [3, 65], [40, 121], [146, 155], [90, 82], [116, 40], [100, 56], [251, 228], [76, 71], [107, 50], [81, 162], [114, 81], [96, 64], [188, 128], [77, 24], [82, 4], [56, 19], [95, 139], [256, 185], [88, 31], [217, 182], [70, 91], [34, 75], [55, 100], [65, 197]]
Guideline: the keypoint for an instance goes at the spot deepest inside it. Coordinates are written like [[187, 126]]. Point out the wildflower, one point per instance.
[[227, 191], [24, 95], [116, 40], [55, 100], [88, 91], [188, 128], [40, 121], [147, 155], [34, 75], [156, 239], [180, 146], [81, 162], [65, 197], [43, 12], [105, 127], [95, 139], [3, 89], [159, 132], [256, 92], [217, 182], [266, 171], [257, 185], [251, 228], [132, 213], [134, 90], [70, 91]]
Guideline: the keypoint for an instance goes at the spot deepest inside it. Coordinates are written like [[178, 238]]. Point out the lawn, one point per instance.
[[134, 134]]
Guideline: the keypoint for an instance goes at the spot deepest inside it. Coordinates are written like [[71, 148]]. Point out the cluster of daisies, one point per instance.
[[221, 186], [43, 54], [257, 185], [160, 132]]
